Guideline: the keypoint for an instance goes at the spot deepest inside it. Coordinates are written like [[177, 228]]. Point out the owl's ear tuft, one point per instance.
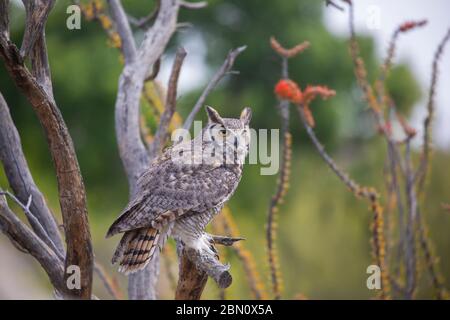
[[246, 116], [213, 115]]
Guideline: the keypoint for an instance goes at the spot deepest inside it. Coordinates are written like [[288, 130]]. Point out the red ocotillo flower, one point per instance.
[[288, 90], [409, 25], [311, 92]]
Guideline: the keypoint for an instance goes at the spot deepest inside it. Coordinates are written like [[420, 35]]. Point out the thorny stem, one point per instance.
[[410, 250], [385, 68], [396, 188], [358, 62], [425, 244], [421, 173], [280, 192], [343, 176], [246, 257]]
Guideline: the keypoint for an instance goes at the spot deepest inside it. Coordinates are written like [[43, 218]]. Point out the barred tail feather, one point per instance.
[[136, 249]]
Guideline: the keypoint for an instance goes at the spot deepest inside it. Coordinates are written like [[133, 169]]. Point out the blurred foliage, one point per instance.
[[324, 232], [403, 89]]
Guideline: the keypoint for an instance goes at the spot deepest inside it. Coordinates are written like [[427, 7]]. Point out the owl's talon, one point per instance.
[[224, 240]]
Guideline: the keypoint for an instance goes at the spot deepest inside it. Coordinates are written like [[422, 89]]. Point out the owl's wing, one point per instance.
[[168, 190]]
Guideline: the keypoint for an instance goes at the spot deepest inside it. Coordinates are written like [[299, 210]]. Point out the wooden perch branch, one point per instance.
[[209, 263], [196, 265], [192, 280]]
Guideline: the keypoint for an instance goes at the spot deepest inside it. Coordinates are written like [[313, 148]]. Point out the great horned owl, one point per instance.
[[182, 191]]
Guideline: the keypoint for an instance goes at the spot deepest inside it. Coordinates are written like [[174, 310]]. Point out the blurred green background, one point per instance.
[[324, 237]]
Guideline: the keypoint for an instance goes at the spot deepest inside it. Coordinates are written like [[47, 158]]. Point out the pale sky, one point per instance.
[[416, 48]]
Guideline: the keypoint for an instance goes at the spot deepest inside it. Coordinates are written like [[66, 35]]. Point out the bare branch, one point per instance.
[[142, 23], [223, 70], [123, 28], [155, 71], [37, 12], [4, 18], [40, 67], [193, 5], [142, 284], [132, 150], [20, 179], [110, 285], [171, 103], [334, 5], [33, 220], [70, 183], [19, 233]]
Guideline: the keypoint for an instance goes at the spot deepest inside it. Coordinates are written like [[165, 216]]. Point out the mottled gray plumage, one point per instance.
[[182, 191]]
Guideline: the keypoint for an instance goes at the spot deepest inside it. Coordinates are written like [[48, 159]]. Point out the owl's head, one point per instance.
[[229, 134]]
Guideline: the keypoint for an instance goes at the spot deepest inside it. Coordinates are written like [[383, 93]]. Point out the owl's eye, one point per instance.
[[223, 132]]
